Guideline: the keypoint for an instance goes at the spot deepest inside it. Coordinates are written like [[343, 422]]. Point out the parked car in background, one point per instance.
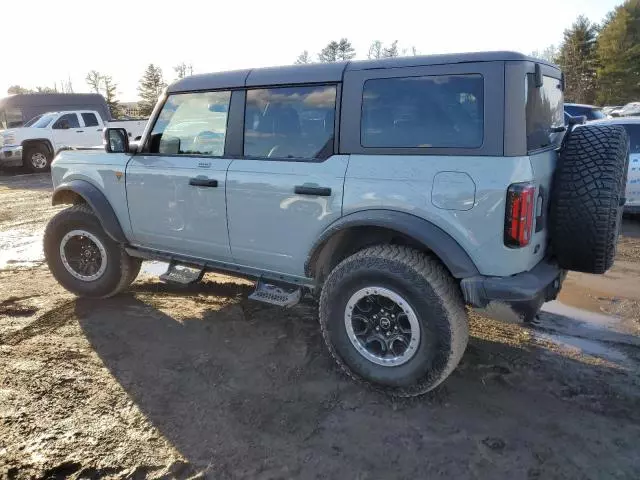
[[608, 109], [591, 112], [35, 146], [18, 110], [632, 126], [629, 110]]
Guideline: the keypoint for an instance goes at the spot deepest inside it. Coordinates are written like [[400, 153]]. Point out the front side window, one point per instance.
[[431, 111], [192, 124], [44, 121], [544, 113], [290, 122], [68, 120], [90, 120]]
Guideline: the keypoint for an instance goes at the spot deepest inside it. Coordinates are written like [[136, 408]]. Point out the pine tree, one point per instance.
[[578, 61], [618, 54], [151, 86], [110, 88], [329, 53], [303, 58], [345, 51]]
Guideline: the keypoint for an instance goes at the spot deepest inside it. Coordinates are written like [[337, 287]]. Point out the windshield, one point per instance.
[[44, 121], [33, 120]]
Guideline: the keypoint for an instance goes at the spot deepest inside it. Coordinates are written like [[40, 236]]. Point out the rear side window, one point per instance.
[[290, 122], [634, 136], [544, 112], [429, 111], [192, 124], [90, 120]]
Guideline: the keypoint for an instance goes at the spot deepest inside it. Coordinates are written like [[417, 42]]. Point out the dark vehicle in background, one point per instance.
[[17, 110], [591, 112]]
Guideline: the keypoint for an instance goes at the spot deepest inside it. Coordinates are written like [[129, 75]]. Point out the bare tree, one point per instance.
[[183, 70], [94, 80], [375, 50]]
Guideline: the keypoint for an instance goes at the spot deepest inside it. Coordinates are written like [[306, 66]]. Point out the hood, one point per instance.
[[15, 136]]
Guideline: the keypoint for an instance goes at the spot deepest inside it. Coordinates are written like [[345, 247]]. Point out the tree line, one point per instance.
[[601, 62], [336, 51]]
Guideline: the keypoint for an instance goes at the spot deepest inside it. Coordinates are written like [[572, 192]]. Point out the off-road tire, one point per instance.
[[588, 196], [31, 150], [121, 268], [433, 295]]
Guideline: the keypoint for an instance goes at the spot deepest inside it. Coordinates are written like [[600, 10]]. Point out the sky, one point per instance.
[[46, 42]]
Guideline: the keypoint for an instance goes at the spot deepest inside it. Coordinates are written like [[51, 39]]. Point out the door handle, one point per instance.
[[99, 130], [317, 191], [79, 131], [203, 182]]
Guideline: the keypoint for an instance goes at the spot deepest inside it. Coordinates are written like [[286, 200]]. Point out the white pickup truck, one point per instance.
[[35, 146]]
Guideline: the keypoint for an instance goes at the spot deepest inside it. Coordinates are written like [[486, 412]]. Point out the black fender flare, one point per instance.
[[98, 203], [443, 245]]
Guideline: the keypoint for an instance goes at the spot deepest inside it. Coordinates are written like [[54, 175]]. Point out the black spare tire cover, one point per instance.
[[588, 197]]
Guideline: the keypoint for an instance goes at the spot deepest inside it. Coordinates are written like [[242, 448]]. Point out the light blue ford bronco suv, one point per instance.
[[396, 191]]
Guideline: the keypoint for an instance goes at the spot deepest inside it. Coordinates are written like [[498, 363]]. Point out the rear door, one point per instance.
[[92, 130], [287, 186], [176, 188]]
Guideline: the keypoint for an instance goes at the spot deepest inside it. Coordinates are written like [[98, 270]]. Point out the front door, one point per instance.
[[67, 131], [176, 187], [287, 187]]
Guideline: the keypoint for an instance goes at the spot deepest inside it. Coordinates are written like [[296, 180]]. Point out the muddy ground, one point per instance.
[[199, 382]]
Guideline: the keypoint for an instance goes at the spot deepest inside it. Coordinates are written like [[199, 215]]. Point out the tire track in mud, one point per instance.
[[46, 323]]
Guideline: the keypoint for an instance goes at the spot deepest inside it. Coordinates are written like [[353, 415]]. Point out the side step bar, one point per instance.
[[182, 274], [276, 295]]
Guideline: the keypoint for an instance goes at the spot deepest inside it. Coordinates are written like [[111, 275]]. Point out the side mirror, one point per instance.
[[169, 145], [116, 140]]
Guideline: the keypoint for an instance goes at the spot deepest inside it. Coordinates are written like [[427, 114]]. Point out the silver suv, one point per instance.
[[396, 191]]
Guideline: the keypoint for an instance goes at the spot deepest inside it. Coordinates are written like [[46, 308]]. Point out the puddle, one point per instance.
[[589, 319], [588, 347], [20, 248]]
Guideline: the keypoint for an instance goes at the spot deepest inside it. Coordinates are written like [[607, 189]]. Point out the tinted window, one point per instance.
[[433, 111], [192, 124], [634, 137], [545, 113], [90, 120], [290, 122], [69, 118]]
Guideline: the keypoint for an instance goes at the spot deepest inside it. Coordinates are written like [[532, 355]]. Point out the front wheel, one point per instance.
[[83, 258], [394, 317], [37, 158]]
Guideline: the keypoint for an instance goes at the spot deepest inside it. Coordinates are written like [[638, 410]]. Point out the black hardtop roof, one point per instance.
[[331, 72]]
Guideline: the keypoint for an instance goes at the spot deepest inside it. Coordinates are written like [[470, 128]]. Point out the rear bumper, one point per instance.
[[541, 283], [11, 156]]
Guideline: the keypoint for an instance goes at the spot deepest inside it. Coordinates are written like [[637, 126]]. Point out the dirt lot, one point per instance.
[[168, 382]]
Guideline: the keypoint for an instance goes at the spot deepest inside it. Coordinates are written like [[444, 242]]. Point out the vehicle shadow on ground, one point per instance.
[[247, 390]]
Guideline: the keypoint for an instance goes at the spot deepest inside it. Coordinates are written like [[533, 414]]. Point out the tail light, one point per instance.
[[518, 220]]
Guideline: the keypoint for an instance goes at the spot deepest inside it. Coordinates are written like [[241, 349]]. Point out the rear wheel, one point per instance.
[[83, 258], [37, 158], [394, 318]]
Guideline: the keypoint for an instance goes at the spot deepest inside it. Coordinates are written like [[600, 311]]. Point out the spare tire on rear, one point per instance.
[[588, 197]]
